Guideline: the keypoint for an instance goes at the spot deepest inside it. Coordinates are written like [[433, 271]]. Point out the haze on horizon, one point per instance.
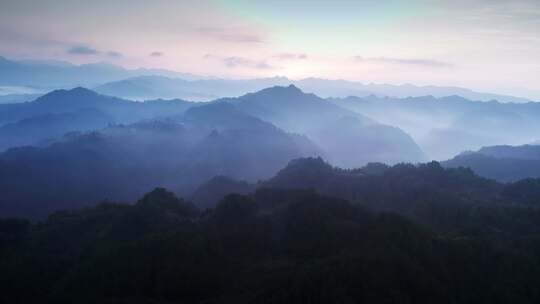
[[484, 45]]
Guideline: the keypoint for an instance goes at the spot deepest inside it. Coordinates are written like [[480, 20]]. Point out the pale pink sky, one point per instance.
[[491, 45]]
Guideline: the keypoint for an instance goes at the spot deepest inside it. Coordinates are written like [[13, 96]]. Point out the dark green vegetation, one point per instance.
[[311, 234]]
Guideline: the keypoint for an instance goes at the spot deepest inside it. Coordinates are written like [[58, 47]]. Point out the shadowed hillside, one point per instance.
[[122, 162], [274, 246], [503, 163]]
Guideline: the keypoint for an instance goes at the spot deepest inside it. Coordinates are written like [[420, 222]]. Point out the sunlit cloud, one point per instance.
[[83, 50]]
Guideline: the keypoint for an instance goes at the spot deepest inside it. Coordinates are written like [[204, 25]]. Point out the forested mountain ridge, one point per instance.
[[121, 162], [429, 194], [275, 245]]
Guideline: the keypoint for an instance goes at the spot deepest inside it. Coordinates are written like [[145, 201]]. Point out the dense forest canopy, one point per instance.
[[401, 234]]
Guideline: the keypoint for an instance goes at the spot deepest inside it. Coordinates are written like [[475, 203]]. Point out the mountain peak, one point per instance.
[[81, 90], [290, 90], [302, 173], [68, 98], [292, 87], [75, 92]]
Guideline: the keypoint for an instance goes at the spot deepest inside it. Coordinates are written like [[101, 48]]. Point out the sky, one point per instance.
[[489, 45]]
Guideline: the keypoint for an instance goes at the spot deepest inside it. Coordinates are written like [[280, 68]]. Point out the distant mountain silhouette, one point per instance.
[[519, 152], [152, 87], [62, 101], [51, 75], [47, 128], [206, 89], [17, 98], [349, 139], [503, 163], [291, 109], [199, 89], [471, 124], [122, 161], [64, 111], [344, 88]]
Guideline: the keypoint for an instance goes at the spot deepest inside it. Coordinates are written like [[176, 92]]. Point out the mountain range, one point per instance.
[[503, 163], [40, 76], [349, 139], [46, 75], [432, 121], [91, 143], [150, 87], [173, 143], [121, 162], [52, 115]]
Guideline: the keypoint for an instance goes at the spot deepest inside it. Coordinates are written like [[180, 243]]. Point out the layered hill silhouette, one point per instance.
[[431, 194], [503, 163], [44, 129], [161, 86], [348, 139], [79, 109], [156, 87], [470, 124], [60, 74], [121, 162], [83, 147], [63, 101]]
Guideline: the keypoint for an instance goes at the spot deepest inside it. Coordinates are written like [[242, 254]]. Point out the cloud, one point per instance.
[[241, 62], [82, 50], [114, 54], [156, 54], [236, 35], [89, 51], [403, 61], [290, 56]]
